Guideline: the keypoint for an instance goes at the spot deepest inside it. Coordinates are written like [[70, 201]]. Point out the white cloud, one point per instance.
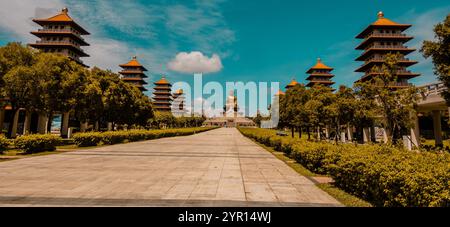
[[195, 62], [17, 16]]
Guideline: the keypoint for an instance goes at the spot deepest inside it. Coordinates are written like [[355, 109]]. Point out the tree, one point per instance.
[[439, 51], [344, 108], [60, 84], [393, 107], [293, 112], [17, 78], [319, 107]]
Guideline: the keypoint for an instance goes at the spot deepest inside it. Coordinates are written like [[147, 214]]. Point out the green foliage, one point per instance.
[[37, 143], [87, 139], [380, 174], [395, 107], [439, 51], [115, 137], [4, 143]]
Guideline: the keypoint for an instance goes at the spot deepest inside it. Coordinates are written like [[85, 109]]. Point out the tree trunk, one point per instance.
[[49, 123], [12, 129], [292, 131], [27, 123], [309, 134], [389, 135], [299, 132]]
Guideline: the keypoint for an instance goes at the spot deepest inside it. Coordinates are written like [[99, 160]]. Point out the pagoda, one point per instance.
[[320, 74], [292, 84], [133, 73], [178, 104], [380, 38], [162, 95], [61, 34]]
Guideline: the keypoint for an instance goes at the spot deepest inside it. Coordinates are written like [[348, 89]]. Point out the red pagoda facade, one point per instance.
[[133, 73], [162, 95], [61, 34], [380, 38], [320, 74]]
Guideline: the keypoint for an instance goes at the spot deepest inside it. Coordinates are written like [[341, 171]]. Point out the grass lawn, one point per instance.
[[340, 195]]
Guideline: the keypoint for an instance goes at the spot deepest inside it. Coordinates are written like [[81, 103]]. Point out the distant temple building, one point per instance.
[[292, 84], [162, 95], [61, 34], [133, 73], [179, 103], [320, 74], [231, 116], [380, 38]]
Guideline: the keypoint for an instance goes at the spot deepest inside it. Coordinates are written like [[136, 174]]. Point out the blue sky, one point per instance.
[[256, 40]]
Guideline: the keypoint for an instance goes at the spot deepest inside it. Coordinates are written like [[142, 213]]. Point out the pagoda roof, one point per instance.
[[292, 84], [382, 22], [279, 93], [319, 66], [179, 92], [162, 81], [62, 17], [133, 63]]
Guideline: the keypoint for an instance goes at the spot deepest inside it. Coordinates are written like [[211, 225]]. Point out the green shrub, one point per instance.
[[380, 174], [4, 143], [115, 137], [37, 143], [87, 139]]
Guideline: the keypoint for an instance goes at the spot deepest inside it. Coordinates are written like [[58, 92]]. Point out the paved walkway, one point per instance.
[[216, 168]]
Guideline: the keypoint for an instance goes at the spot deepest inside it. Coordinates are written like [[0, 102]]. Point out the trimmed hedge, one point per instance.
[[115, 137], [380, 174], [4, 143], [37, 143]]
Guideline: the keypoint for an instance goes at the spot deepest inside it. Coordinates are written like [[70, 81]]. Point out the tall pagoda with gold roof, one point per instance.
[[380, 38], [162, 95], [61, 34], [320, 74], [133, 73]]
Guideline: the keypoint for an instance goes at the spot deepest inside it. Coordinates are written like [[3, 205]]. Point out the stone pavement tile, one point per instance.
[[259, 192], [215, 168]]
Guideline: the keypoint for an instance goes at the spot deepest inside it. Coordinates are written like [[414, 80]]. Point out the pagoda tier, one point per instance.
[[133, 73], [381, 38], [320, 74], [162, 95], [61, 34], [292, 84]]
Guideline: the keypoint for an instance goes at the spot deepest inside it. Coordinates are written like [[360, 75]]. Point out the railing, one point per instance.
[[132, 71], [320, 73], [381, 71], [320, 81], [73, 31], [59, 42], [383, 59], [385, 34], [387, 46], [433, 88], [400, 84]]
